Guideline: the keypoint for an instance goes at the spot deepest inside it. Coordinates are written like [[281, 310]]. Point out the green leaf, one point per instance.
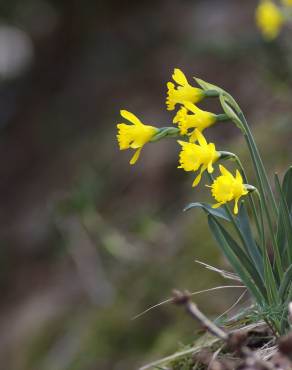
[[281, 236], [285, 327], [217, 212], [287, 192], [238, 259], [286, 281], [287, 188], [284, 216], [249, 241]]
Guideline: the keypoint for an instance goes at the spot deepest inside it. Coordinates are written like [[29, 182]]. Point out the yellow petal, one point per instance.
[[182, 143], [238, 176], [193, 137], [210, 167], [224, 171], [179, 77], [135, 156], [170, 104], [200, 137], [236, 206], [217, 205], [198, 178], [176, 118], [192, 107], [130, 117]]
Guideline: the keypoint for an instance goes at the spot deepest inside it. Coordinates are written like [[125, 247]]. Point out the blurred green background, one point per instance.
[[88, 241]]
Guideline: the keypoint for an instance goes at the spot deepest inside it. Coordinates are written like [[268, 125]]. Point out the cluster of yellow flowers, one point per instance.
[[270, 17], [196, 153]]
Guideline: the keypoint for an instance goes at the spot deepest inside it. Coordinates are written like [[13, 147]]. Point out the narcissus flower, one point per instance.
[[287, 2], [194, 156], [228, 187], [198, 119], [134, 136], [269, 19], [183, 92]]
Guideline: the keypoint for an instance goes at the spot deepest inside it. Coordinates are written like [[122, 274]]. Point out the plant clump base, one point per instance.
[[242, 343]]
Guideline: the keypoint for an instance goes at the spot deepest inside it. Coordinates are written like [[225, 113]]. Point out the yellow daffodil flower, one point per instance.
[[183, 92], [134, 136], [227, 187], [198, 119], [194, 156], [287, 2], [269, 19]]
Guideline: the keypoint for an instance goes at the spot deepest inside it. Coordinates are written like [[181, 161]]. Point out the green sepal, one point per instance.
[[230, 112], [207, 86], [165, 132], [227, 155]]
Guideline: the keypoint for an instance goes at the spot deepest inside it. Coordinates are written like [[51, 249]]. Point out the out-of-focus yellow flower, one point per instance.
[[228, 187], [269, 19], [134, 136], [187, 123], [194, 156], [183, 92], [287, 2]]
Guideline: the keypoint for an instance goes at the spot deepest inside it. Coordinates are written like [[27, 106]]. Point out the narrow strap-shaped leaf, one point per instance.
[[281, 236], [250, 243], [287, 189], [284, 320], [287, 279], [271, 286], [286, 219], [238, 259], [287, 192], [218, 212]]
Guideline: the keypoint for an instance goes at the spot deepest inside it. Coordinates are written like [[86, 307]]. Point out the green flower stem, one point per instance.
[[232, 109], [261, 287], [263, 238], [232, 156], [270, 279], [259, 163], [260, 229], [264, 185], [267, 213]]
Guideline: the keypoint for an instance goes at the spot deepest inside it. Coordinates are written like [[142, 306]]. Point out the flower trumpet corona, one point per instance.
[[198, 119], [227, 187], [194, 156], [134, 136], [183, 92], [269, 19]]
